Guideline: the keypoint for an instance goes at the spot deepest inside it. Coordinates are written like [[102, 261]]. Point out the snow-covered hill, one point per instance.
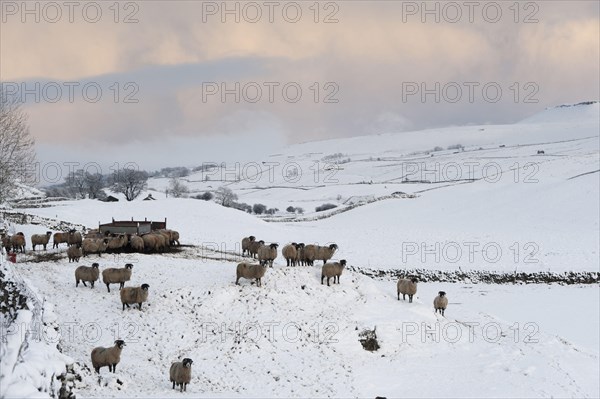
[[520, 197]]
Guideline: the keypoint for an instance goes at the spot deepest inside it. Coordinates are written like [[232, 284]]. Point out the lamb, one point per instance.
[[250, 271], [267, 254], [290, 253], [84, 273], [440, 303], [326, 253], [254, 246], [333, 270], [74, 238], [117, 276], [246, 244], [74, 253], [110, 357], [18, 242], [59, 238], [407, 287], [132, 295], [91, 246], [40, 239], [136, 243], [181, 373]]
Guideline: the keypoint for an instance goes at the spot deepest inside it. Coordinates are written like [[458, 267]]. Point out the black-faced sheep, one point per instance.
[[92, 246], [17, 242], [253, 248], [74, 253], [246, 244], [133, 295], [334, 270], [290, 253], [407, 287], [117, 276], [40, 239], [326, 253], [267, 254], [59, 238], [250, 271], [102, 357], [440, 303], [84, 273], [74, 238], [181, 373]]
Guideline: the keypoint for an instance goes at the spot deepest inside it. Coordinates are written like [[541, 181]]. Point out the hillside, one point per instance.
[[526, 199]]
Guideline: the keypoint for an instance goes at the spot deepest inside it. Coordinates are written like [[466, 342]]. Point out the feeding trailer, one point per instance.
[[138, 227]]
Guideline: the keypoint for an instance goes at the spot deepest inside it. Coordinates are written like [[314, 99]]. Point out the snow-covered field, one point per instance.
[[512, 209]]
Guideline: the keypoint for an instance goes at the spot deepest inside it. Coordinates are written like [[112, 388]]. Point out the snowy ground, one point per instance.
[[297, 338]]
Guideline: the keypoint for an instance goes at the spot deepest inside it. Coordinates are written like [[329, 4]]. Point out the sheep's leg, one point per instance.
[[76, 283], [443, 312], [410, 299], [140, 304], [328, 281], [404, 297], [114, 367], [97, 369], [121, 284], [108, 286], [173, 384], [398, 296], [322, 277], [92, 283], [84, 284]]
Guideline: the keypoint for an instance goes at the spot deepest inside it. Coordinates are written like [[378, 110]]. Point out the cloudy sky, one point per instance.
[[166, 83]]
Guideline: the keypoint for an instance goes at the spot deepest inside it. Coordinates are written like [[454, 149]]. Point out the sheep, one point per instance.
[[6, 243], [181, 373], [440, 303], [250, 271], [333, 270], [246, 244], [136, 243], [149, 242], [326, 253], [173, 237], [310, 254], [253, 248], [301, 257], [18, 242], [84, 273], [40, 239], [267, 254], [116, 243], [91, 246], [59, 238], [131, 295], [74, 253], [407, 287], [110, 357], [290, 253], [74, 238], [117, 276]]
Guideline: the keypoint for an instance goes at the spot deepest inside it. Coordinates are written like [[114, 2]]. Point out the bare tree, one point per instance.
[[94, 183], [17, 154], [177, 189], [225, 196], [76, 185], [130, 182]]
